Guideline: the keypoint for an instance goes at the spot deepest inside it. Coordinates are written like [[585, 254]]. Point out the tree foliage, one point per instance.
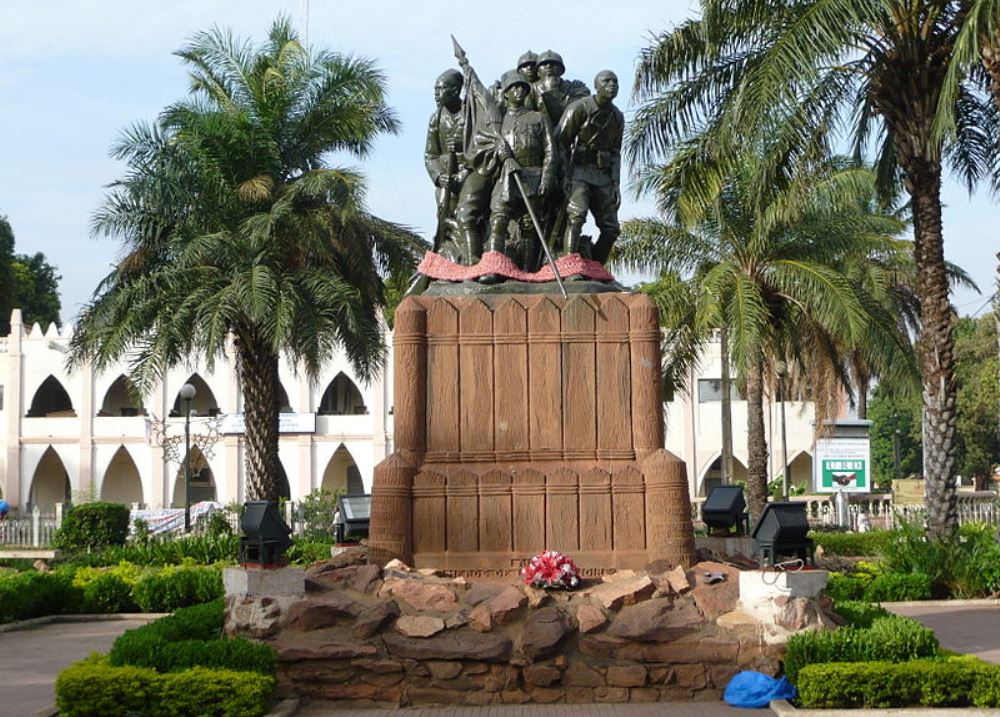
[[977, 369], [238, 233], [27, 282]]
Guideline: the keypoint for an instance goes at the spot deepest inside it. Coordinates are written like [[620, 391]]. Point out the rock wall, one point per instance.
[[396, 636]]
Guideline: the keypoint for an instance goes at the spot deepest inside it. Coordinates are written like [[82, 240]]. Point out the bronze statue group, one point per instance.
[[518, 165]]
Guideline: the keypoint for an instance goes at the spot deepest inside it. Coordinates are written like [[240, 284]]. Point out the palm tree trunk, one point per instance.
[[258, 373], [756, 440], [727, 408], [935, 347]]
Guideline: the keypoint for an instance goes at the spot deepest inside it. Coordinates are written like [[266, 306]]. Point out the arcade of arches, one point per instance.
[[50, 484], [122, 483], [342, 473]]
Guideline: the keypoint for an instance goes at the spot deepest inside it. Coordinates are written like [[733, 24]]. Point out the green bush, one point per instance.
[[94, 688], [140, 649], [198, 622], [316, 513], [896, 587], [34, 594], [846, 587], [869, 544], [202, 549], [889, 639], [858, 613], [108, 593], [92, 525], [305, 551], [960, 682], [177, 586]]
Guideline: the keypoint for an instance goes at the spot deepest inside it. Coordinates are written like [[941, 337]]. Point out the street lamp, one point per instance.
[[187, 392], [781, 368], [895, 451]]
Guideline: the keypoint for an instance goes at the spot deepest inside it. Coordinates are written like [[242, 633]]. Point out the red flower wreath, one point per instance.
[[551, 569]]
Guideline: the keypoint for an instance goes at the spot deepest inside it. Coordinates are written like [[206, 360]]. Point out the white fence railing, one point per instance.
[[33, 530], [880, 512]]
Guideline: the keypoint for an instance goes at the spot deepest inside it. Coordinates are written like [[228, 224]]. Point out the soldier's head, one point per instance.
[[448, 89], [606, 86], [550, 64], [515, 88], [527, 65]]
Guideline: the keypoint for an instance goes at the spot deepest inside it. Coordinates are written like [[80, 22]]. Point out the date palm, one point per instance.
[[768, 267], [239, 237], [809, 75]]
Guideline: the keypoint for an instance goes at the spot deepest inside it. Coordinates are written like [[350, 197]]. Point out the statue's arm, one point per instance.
[[433, 150], [616, 148]]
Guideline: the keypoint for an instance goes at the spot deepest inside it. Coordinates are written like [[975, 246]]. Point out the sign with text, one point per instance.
[[842, 464], [287, 423]]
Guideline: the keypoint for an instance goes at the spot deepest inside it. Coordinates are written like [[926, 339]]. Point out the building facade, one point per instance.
[[81, 433]]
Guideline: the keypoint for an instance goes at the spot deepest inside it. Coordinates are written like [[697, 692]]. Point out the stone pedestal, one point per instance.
[[526, 423], [783, 602], [272, 582]]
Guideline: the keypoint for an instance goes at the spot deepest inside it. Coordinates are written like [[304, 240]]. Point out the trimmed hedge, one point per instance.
[[959, 682], [34, 594], [858, 613], [871, 544], [191, 637], [885, 587], [92, 525], [889, 639], [177, 586], [94, 688]]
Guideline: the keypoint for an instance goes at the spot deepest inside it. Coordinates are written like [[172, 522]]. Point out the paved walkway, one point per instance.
[[31, 659], [656, 709], [968, 628]]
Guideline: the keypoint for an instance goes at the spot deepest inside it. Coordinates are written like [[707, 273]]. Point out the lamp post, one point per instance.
[[781, 368], [895, 451], [187, 392]]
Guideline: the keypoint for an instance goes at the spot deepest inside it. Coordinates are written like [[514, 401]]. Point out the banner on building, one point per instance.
[[232, 423]]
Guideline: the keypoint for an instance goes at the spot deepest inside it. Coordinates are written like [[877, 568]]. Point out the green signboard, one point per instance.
[[842, 464], [848, 474]]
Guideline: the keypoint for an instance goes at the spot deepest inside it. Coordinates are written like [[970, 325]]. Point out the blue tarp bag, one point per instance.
[[755, 689]]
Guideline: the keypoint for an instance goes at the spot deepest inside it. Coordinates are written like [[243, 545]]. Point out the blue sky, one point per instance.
[[74, 74]]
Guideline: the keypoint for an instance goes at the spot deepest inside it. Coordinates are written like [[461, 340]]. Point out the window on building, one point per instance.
[[710, 389]]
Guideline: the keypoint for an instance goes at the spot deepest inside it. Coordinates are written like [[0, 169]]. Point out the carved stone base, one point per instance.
[[526, 423]]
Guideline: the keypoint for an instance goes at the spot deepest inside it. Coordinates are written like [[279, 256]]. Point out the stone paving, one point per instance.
[[657, 709], [973, 629], [31, 659]]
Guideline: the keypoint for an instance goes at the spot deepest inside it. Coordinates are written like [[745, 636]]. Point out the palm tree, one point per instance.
[[769, 268], [239, 236], [807, 74]]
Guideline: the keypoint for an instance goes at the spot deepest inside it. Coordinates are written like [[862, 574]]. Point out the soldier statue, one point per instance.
[[551, 92], [524, 145], [590, 135], [461, 192]]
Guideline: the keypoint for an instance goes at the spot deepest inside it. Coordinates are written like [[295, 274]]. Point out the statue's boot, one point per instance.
[[470, 243], [602, 247], [571, 239], [498, 242]]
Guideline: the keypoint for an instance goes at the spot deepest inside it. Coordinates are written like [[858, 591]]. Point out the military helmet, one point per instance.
[[528, 58], [553, 57], [451, 77], [511, 78]]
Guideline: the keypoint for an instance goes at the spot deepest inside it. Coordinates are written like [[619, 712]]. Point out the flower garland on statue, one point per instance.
[[551, 569]]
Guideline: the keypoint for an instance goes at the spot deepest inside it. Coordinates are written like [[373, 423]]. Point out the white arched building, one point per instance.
[[81, 433]]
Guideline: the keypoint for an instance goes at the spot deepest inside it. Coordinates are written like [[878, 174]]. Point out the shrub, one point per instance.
[[109, 592], [94, 688], [199, 622], [895, 587], [316, 513], [859, 614], [889, 639], [33, 594], [92, 525], [306, 551], [140, 649], [957, 682], [202, 549], [869, 544], [846, 587], [178, 586]]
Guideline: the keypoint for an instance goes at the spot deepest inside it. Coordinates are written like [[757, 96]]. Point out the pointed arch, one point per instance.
[[50, 482], [122, 482], [711, 476], [51, 399], [202, 480], [342, 398], [284, 488], [284, 403], [203, 403], [342, 474], [119, 400], [800, 471]]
